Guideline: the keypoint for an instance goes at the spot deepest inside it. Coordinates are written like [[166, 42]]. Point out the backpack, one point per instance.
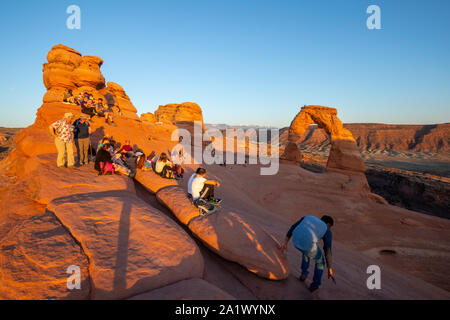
[[106, 168], [167, 173], [204, 207]]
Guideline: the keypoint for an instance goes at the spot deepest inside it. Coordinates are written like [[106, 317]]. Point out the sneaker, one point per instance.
[[312, 289], [217, 200], [302, 278]]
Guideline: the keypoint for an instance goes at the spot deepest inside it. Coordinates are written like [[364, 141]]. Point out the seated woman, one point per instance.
[[126, 146], [109, 112], [120, 164], [68, 97], [102, 142], [163, 166], [103, 160], [86, 107]]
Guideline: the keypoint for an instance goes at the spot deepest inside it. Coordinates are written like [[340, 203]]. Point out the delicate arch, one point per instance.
[[344, 153]]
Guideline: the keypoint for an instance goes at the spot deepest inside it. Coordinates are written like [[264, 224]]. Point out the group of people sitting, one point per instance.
[[90, 106], [124, 159], [161, 165]]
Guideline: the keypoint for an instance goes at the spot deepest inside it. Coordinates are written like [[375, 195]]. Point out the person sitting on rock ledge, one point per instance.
[[87, 108], [109, 112], [126, 146], [62, 131], [102, 111], [306, 233], [103, 160], [201, 188], [102, 142], [68, 97], [163, 166]]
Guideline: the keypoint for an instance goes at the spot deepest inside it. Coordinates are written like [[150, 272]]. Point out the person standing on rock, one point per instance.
[[62, 131], [82, 133], [306, 234]]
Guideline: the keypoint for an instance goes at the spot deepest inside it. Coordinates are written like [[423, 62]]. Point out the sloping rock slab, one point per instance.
[[34, 258], [192, 289], [132, 248], [48, 182], [237, 239], [229, 235], [153, 182], [175, 199]]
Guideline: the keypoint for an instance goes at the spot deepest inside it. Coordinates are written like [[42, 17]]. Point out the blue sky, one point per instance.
[[243, 62]]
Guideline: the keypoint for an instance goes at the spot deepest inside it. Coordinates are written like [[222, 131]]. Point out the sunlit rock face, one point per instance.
[[344, 153]]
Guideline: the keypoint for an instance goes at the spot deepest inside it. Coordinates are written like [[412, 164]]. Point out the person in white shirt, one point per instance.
[[162, 163], [200, 187], [178, 156]]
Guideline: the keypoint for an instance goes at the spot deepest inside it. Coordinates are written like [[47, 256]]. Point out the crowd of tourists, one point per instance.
[[90, 106], [112, 157]]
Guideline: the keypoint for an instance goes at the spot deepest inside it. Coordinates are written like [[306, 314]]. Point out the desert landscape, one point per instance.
[[386, 186]]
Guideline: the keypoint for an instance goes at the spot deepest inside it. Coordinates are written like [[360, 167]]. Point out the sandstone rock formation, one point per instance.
[[148, 117], [344, 153], [227, 233], [34, 257], [68, 69], [183, 115], [126, 245], [133, 247]]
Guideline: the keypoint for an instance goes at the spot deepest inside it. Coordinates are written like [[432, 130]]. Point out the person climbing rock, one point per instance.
[[200, 187], [306, 234], [82, 132], [62, 131]]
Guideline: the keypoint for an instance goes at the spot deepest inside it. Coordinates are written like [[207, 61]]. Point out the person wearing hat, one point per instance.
[[62, 131], [82, 132]]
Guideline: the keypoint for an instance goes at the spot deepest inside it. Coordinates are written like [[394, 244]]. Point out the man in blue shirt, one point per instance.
[[82, 135], [306, 234]]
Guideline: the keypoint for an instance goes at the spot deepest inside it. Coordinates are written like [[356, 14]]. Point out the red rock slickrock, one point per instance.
[[127, 245], [230, 235], [344, 154], [183, 115]]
